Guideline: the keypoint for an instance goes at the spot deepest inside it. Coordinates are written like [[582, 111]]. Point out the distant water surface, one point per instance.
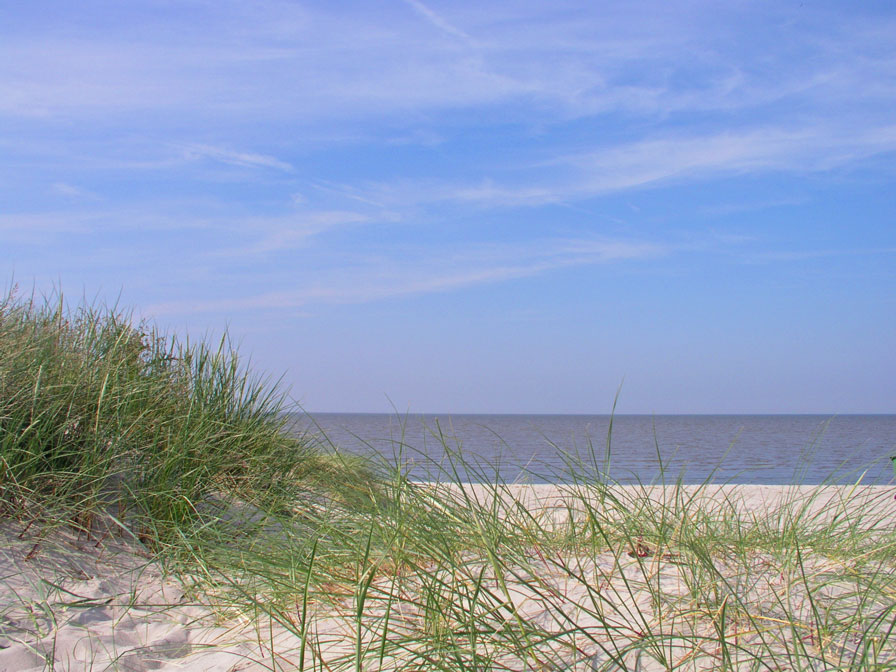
[[761, 449]]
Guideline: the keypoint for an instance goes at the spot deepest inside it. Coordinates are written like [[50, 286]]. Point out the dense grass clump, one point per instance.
[[100, 417]]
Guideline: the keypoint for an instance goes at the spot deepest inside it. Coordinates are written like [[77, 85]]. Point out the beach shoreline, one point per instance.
[[820, 502]]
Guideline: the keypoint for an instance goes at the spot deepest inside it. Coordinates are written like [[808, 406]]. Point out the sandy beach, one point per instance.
[[72, 603]]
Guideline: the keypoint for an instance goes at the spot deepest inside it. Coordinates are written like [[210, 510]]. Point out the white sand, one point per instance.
[[750, 501], [69, 603], [80, 605]]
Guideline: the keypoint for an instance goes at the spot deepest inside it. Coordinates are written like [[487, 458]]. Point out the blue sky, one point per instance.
[[473, 207]]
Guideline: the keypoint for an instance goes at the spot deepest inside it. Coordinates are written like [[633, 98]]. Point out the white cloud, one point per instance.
[[807, 149], [98, 221], [437, 20], [243, 159], [71, 191], [420, 272], [773, 256], [32, 225], [279, 234], [730, 208], [650, 162], [292, 62]]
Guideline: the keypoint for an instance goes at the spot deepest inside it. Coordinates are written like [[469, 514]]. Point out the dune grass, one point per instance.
[[104, 419], [341, 565], [459, 576]]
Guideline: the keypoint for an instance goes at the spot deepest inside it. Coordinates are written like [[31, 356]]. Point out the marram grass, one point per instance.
[[453, 576], [356, 567], [102, 418]]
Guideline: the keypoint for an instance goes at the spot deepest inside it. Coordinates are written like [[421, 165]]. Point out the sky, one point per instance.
[[496, 207]]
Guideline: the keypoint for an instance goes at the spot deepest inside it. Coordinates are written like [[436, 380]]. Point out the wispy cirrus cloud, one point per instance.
[[437, 20], [643, 164], [308, 62], [234, 158], [98, 221], [785, 256], [277, 234], [731, 208], [71, 191], [419, 272], [258, 235], [771, 148]]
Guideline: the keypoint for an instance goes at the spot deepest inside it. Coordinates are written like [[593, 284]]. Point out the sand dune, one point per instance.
[[72, 603]]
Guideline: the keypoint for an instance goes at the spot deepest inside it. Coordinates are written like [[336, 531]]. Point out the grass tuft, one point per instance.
[[107, 422]]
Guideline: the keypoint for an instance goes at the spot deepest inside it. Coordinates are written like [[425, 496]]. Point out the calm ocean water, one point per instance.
[[761, 449]]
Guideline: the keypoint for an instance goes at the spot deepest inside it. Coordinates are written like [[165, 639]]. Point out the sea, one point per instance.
[[626, 449]]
